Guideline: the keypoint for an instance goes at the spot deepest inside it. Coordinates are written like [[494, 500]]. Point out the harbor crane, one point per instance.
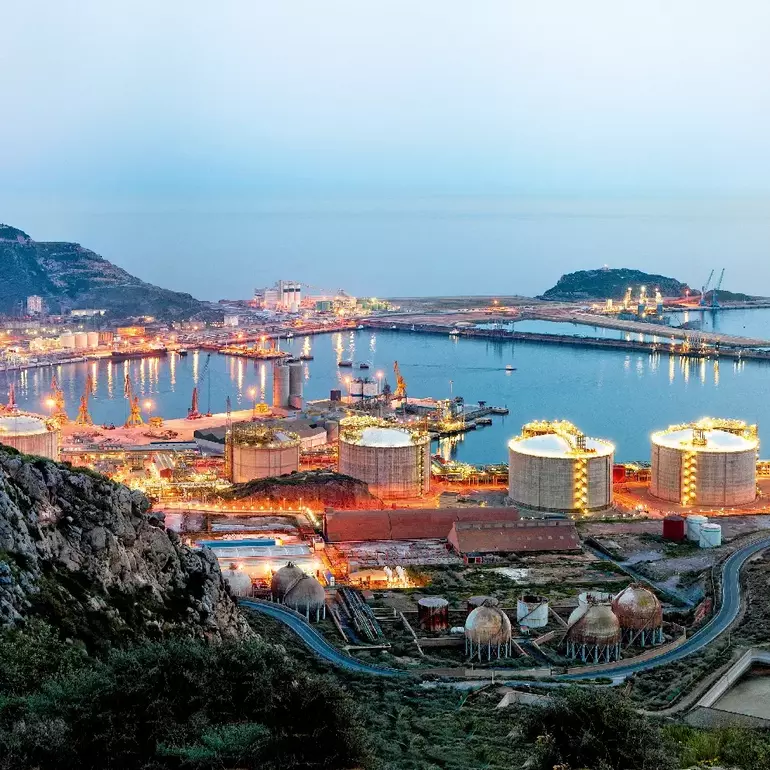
[[715, 291], [705, 288], [400, 391], [84, 416], [193, 412], [134, 418]]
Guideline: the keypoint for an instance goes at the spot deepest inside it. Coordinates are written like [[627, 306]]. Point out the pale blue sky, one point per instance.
[[225, 107]]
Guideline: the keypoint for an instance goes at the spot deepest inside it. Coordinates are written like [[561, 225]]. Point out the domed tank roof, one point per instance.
[[305, 594], [284, 578], [576, 614], [596, 625], [637, 607], [488, 625], [482, 600], [238, 580]]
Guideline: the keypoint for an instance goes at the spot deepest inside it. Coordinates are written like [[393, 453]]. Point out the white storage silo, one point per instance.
[[67, 341], [710, 536], [93, 339], [694, 524], [81, 340], [280, 385], [552, 466]]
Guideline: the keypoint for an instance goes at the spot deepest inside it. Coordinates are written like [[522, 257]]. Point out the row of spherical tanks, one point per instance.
[[596, 632]]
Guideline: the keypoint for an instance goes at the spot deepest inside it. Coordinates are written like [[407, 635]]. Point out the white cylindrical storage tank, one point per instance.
[[532, 611], [258, 452], [393, 461], [712, 462], [356, 388], [710, 535], [554, 467], [81, 340], [92, 339], [296, 377], [694, 524], [369, 388], [30, 434], [280, 385], [332, 431], [238, 581], [67, 341]]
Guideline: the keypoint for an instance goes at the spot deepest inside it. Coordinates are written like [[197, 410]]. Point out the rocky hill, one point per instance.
[[611, 284], [69, 276], [85, 554]]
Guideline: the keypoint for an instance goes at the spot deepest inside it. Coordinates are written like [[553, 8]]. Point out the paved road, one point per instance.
[[728, 612]]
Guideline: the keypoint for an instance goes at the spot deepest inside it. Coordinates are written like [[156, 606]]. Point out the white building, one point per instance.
[[231, 320], [34, 305]]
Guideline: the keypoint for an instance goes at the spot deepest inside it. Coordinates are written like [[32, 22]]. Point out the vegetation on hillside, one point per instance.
[[608, 283]]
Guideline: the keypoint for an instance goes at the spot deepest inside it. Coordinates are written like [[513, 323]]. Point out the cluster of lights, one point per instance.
[[581, 484], [689, 478]]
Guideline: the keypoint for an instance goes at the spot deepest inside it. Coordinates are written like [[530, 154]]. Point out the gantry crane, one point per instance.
[[400, 391], [58, 411], [134, 418], [714, 300], [84, 416], [193, 413], [12, 398], [705, 288]]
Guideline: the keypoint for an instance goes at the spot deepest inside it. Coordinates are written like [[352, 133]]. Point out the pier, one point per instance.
[[725, 346]]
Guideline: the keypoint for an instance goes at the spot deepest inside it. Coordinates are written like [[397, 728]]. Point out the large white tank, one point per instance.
[[552, 466], [710, 536], [532, 611], [81, 340], [694, 523], [296, 377], [30, 434], [710, 462], [393, 461], [93, 339], [258, 452], [67, 341]]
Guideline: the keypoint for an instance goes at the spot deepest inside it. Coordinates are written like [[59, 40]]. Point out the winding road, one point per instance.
[[729, 610]]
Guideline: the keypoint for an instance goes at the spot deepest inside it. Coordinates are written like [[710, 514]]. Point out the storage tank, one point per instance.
[[92, 339], [258, 451], [532, 611], [674, 528], [67, 341], [480, 601], [81, 340], [296, 378], [487, 633], [593, 634], [694, 523], [594, 597], [710, 535], [433, 613], [332, 432], [30, 434], [335, 394], [237, 580], [301, 592], [356, 388], [640, 615], [552, 466], [393, 461], [280, 385], [709, 462]]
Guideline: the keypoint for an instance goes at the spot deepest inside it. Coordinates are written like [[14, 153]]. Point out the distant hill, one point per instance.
[[68, 276], [611, 284]]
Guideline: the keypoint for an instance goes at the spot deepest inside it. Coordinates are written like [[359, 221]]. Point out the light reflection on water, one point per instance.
[[619, 395]]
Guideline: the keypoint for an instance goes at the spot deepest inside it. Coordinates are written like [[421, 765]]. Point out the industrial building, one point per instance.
[[393, 461], [473, 539], [30, 434], [256, 452], [487, 633], [553, 466], [406, 524], [709, 462]]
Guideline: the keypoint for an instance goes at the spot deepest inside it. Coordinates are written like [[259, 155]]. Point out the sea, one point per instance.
[[618, 395]]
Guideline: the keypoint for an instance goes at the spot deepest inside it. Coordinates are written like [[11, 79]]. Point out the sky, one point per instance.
[[391, 147]]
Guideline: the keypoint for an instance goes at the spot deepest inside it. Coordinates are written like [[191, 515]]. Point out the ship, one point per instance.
[[345, 363], [363, 365]]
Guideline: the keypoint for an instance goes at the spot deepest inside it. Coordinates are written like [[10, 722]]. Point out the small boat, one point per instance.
[[510, 368], [363, 365], [454, 333], [360, 326], [393, 326], [345, 363], [290, 336], [182, 351], [306, 357], [484, 421]]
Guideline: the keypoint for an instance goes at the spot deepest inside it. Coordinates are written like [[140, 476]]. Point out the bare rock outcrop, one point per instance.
[[89, 556]]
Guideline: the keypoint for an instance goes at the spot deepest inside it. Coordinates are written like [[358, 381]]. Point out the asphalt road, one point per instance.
[[729, 609]]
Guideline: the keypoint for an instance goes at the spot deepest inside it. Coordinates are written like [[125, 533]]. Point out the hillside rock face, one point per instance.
[[68, 276], [611, 284], [324, 489], [85, 553]]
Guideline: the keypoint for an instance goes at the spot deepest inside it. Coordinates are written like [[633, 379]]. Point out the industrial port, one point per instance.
[[336, 512]]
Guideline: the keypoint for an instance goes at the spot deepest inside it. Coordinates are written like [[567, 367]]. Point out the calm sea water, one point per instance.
[[614, 394]]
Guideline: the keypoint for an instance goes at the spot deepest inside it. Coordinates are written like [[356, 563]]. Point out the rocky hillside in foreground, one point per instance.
[[611, 284], [68, 276], [85, 554]]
